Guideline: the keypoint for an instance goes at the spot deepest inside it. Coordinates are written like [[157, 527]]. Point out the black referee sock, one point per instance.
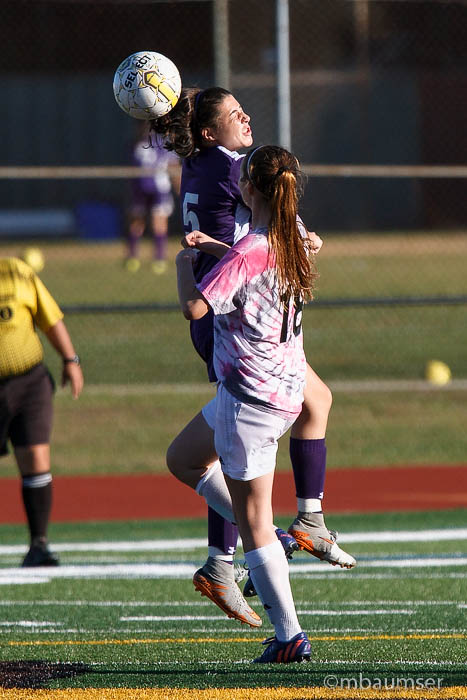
[[37, 499]]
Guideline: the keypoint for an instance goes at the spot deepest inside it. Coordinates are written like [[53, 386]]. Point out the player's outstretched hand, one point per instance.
[[316, 242], [196, 239], [201, 242]]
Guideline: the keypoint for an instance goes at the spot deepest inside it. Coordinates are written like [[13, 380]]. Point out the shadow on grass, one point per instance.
[[34, 674], [37, 674], [253, 676]]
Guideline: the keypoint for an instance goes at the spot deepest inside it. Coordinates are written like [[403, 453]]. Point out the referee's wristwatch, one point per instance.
[[75, 360]]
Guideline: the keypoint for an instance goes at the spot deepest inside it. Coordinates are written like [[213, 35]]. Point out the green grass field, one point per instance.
[[350, 265], [143, 376], [341, 343], [123, 431], [121, 612], [117, 616]]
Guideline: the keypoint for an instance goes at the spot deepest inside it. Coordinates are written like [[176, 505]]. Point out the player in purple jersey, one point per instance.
[[152, 202], [206, 127], [209, 192], [256, 293]]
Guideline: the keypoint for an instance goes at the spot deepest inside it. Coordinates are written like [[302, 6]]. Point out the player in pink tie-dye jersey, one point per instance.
[[258, 354], [261, 368]]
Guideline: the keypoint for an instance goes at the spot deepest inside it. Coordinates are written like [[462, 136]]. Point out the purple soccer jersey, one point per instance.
[[211, 201], [211, 198]]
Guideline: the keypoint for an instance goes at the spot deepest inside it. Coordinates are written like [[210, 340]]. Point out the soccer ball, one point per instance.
[[147, 85]]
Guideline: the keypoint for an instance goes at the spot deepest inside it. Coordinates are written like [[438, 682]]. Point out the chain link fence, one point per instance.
[[373, 83]]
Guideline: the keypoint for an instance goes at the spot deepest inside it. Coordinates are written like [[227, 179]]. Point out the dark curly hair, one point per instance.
[[180, 129]]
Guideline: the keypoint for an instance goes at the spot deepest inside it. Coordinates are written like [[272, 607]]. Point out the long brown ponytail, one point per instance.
[[275, 173]]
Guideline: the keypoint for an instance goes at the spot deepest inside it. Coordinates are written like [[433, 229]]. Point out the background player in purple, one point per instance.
[[152, 201], [205, 128], [256, 293]]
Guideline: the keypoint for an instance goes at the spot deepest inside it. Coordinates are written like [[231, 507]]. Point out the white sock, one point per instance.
[[213, 489], [309, 505], [269, 571], [219, 554]]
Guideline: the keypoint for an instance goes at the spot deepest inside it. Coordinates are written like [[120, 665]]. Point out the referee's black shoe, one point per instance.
[[40, 555]]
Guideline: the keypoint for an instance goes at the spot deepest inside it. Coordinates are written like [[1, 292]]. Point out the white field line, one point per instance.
[[17, 579], [325, 613], [96, 571], [206, 604], [115, 603], [340, 613], [148, 389], [394, 385], [172, 618], [336, 630], [441, 535], [124, 546], [185, 571], [30, 623], [343, 386], [386, 576], [387, 563], [190, 544]]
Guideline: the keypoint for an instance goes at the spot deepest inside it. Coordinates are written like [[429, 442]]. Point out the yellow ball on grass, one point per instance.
[[437, 373]]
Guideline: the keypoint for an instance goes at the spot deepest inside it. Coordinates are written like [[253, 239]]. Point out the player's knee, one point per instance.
[[176, 459], [321, 399], [322, 404], [317, 404], [172, 459], [327, 397]]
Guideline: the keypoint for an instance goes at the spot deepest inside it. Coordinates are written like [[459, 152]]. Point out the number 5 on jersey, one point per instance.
[[190, 220]]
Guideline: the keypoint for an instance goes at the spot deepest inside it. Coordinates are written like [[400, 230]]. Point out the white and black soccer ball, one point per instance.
[[147, 85]]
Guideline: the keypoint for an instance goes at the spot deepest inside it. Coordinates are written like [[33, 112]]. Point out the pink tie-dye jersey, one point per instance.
[[258, 343]]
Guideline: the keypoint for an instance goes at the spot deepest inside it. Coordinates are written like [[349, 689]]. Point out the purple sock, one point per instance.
[[160, 247], [221, 533], [308, 459], [133, 246]]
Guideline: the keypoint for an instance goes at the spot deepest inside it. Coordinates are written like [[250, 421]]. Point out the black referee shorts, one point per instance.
[[26, 409]]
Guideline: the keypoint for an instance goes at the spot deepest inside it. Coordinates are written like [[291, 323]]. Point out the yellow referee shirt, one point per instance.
[[24, 304]]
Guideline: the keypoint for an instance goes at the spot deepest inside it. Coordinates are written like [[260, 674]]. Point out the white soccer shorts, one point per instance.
[[245, 436]]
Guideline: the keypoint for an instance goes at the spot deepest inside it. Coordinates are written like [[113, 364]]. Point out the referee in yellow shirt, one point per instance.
[[26, 391]]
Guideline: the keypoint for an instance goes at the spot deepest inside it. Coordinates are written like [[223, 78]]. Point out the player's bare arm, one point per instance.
[[60, 339], [206, 244], [192, 301]]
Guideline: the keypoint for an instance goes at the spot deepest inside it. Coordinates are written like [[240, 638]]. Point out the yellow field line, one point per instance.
[[453, 693], [227, 640]]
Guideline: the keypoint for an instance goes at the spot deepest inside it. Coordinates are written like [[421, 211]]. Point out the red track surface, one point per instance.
[[161, 496]]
